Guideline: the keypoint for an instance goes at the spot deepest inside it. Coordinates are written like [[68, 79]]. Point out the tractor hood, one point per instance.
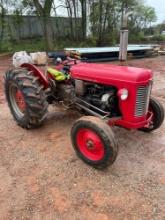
[[108, 74]]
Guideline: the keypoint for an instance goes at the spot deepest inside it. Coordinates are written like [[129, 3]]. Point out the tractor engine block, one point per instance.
[[66, 93], [103, 97]]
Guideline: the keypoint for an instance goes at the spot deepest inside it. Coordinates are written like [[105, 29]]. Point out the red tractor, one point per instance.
[[108, 95]]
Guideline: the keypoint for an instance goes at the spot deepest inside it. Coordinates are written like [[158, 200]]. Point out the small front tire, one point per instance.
[[156, 108], [94, 142]]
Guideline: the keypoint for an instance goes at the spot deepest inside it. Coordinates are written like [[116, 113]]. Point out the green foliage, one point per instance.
[[18, 19], [143, 16], [5, 42], [6, 45], [105, 19], [28, 45], [159, 38], [106, 16], [35, 45], [157, 29], [138, 37]]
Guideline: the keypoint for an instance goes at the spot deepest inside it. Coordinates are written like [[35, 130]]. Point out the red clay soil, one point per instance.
[[42, 178]]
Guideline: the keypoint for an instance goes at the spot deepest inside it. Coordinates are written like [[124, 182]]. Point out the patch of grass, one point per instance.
[[31, 45], [34, 45]]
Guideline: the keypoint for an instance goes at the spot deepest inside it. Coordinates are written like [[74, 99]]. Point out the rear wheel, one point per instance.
[[157, 110], [94, 142], [26, 98]]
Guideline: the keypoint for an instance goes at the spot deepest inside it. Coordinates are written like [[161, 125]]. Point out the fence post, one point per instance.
[[123, 45]]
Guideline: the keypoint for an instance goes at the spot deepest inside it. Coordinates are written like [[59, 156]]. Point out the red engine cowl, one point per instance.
[[110, 74], [136, 80]]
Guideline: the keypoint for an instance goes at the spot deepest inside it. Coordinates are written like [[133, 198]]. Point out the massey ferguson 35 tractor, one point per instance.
[[108, 95]]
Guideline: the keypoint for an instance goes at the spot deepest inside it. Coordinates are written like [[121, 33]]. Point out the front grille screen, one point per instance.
[[142, 100]]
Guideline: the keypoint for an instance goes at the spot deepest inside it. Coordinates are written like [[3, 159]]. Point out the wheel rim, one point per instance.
[[90, 144], [17, 100]]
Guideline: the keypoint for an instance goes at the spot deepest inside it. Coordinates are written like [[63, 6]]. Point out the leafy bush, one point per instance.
[[158, 38]]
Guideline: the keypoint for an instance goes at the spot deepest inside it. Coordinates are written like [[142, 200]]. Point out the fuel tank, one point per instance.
[[110, 74]]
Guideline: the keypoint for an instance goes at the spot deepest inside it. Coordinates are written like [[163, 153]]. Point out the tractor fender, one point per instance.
[[37, 72]]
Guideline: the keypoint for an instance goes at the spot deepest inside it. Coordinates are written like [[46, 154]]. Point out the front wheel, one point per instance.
[[94, 142], [157, 110]]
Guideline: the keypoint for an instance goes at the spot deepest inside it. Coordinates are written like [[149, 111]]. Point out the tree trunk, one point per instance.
[[75, 17], [57, 22], [69, 9], [48, 33], [2, 22], [84, 18], [44, 15], [105, 17], [100, 22]]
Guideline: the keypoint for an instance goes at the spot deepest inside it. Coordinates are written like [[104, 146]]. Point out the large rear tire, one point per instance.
[[94, 142], [158, 115], [26, 98]]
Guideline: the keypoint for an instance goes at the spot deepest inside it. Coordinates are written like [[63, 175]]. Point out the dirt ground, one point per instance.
[[42, 178]]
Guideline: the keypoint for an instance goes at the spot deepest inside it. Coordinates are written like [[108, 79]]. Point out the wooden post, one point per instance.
[[123, 45], [124, 37]]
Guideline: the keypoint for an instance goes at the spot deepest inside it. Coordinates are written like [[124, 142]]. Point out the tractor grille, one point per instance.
[[142, 100]]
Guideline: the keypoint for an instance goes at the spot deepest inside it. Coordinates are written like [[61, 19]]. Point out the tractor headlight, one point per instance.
[[123, 94]]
